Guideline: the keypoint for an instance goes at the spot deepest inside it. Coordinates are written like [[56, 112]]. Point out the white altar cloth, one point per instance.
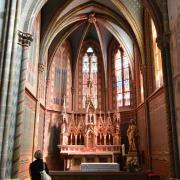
[[99, 167]]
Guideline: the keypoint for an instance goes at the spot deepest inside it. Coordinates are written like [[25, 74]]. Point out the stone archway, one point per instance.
[[162, 31]]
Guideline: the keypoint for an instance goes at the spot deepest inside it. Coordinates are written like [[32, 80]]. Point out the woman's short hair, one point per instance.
[[38, 154]]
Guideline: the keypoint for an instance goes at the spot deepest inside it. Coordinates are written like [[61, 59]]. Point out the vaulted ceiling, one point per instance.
[[78, 20]]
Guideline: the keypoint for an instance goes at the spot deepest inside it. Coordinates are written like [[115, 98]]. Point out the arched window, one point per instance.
[[89, 71], [122, 78], [157, 59]]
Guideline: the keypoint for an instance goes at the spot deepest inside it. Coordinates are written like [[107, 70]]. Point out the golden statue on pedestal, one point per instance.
[[132, 134]]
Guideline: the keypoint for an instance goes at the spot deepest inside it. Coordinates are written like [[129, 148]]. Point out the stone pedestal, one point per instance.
[[132, 162]]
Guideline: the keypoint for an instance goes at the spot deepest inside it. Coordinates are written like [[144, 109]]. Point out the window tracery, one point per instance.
[[89, 72], [122, 78]]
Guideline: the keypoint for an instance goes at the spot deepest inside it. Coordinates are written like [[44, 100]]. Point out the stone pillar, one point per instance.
[[73, 98], [10, 11], [163, 44], [4, 9], [144, 70], [47, 98], [41, 69], [76, 139], [169, 91], [106, 100], [25, 40], [104, 139]]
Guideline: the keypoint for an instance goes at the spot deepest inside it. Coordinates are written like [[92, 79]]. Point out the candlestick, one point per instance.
[[123, 149]]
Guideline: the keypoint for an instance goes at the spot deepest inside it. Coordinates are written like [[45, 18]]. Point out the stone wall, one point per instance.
[[159, 134], [142, 129], [51, 140], [60, 79], [174, 23], [27, 137]]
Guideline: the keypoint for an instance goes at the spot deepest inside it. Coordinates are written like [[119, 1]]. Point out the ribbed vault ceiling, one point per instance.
[[78, 20]]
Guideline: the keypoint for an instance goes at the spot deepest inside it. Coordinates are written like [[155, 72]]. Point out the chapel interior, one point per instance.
[[76, 76]]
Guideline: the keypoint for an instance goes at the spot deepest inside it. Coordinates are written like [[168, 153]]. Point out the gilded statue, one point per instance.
[[132, 134]]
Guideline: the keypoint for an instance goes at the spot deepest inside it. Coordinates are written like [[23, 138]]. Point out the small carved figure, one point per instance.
[[63, 127]]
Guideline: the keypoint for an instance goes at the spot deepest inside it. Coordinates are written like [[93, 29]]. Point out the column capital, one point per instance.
[[24, 39], [41, 67]]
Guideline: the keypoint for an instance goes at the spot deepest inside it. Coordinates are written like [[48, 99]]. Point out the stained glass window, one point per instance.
[[122, 78], [89, 70]]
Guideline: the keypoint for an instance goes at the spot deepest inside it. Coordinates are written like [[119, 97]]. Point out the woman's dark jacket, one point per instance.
[[35, 168]]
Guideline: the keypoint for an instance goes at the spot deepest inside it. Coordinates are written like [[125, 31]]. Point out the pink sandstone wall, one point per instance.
[[159, 134], [27, 137], [174, 24], [51, 140], [141, 123]]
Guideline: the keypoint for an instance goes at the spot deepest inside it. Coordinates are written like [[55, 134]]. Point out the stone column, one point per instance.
[[104, 139], [163, 44], [73, 98], [106, 100], [25, 40], [47, 98], [5, 63], [41, 69], [8, 55], [144, 70], [76, 139], [4, 18]]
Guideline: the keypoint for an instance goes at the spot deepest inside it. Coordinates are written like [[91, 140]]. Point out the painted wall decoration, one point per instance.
[[32, 65], [60, 79]]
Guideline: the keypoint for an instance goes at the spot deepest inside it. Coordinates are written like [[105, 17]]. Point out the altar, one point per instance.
[[90, 136], [105, 167]]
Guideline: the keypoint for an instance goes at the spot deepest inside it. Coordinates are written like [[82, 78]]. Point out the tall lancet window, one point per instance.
[[122, 78], [89, 70]]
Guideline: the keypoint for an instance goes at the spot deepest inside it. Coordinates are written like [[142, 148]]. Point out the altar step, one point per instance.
[[78, 175]]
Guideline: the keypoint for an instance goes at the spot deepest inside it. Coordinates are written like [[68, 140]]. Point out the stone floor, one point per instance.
[[77, 175]]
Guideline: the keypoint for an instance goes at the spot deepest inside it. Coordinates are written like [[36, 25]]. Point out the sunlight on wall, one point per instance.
[[141, 87], [157, 59]]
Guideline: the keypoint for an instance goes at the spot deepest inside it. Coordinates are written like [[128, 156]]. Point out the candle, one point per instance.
[[123, 149]]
